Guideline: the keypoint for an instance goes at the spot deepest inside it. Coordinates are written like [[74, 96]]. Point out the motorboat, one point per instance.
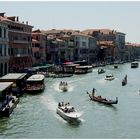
[[63, 86], [68, 112], [102, 100], [35, 83], [135, 64], [100, 71], [109, 77]]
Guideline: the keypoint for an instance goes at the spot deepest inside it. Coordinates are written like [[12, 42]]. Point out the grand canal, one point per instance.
[[35, 115]]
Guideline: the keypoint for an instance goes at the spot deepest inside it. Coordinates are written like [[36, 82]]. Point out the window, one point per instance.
[[5, 68], [0, 49], [0, 32], [5, 50], [4, 32]]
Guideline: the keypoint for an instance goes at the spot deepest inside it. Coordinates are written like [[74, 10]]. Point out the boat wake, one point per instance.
[[49, 102], [101, 81]]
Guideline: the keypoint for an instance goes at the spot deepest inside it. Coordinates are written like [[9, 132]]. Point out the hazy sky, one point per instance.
[[121, 16]]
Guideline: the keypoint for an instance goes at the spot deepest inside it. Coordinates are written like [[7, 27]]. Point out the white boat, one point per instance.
[[135, 64], [63, 86], [109, 77], [68, 113], [35, 83]]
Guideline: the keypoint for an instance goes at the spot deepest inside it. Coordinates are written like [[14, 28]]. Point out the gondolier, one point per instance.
[[93, 91]]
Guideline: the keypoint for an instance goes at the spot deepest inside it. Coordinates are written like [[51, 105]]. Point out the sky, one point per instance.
[[122, 16]]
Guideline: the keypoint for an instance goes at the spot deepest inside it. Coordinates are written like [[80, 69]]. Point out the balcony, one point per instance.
[[21, 41]]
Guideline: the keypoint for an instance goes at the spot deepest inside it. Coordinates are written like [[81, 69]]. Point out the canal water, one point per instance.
[[35, 115]]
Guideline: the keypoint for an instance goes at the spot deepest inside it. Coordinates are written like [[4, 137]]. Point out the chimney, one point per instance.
[[2, 14], [27, 22], [17, 19]]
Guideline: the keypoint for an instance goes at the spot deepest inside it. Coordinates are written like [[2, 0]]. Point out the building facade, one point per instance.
[[4, 57], [19, 34], [115, 42], [38, 47]]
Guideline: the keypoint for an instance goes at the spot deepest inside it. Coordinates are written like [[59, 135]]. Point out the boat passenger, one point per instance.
[[66, 83], [66, 109], [59, 104], [72, 109], [62, 104]]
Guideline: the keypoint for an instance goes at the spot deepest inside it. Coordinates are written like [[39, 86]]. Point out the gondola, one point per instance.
[[124, 81], [102, 100]]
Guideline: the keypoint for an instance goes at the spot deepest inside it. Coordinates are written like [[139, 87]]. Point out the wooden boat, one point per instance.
[[102, 100], [100, 71], [109, 77], [68, 112], [35, 83], [135, 64], [124, 81], [7, 101], [63, 86]]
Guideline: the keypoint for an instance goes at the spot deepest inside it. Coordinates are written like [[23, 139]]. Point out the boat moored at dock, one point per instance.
[[7, 101], [35, 83], [18, 80], [83, 69]]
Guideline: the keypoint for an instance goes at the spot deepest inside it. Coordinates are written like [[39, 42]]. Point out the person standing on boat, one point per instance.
[[93, 91]]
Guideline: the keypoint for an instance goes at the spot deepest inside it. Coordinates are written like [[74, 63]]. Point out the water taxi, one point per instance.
[[68, 112], [63, 86], [7, 101], [35, 83]]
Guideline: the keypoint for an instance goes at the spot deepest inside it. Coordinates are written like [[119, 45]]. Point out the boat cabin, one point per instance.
[[35, 83], [83, 69], [18, 80]]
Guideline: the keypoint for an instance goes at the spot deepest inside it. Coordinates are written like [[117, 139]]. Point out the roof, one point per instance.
[[105, 43], [36, 77], [5, 85], [133, 44], [104, 31], [13, 76], [10, 21]]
